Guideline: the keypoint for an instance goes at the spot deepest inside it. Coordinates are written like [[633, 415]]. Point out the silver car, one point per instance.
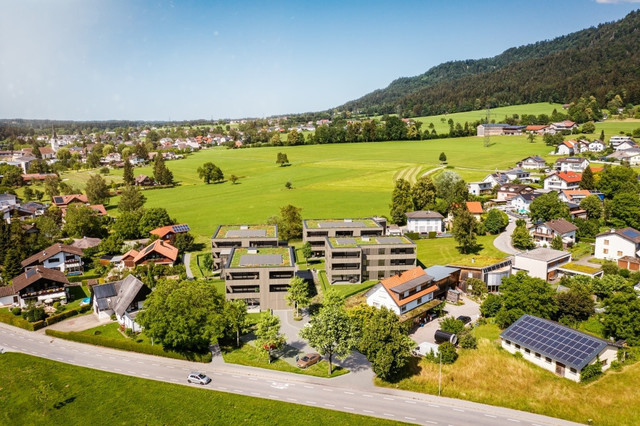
[[199, 378]]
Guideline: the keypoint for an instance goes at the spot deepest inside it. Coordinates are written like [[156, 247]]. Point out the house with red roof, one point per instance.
[[475, 208], [566, 125], [562, 180], [169, 232], [158, 253], [537, 129]]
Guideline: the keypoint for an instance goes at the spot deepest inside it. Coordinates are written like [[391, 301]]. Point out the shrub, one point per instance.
[[447, 353], [16, 311], [590, 372], [66, 314], [56, 305], [452, 325], [413, 236], [432, 235], [128, 345], [113, 317], [18, 321], [491, 305], [468, 341], [34, 314]]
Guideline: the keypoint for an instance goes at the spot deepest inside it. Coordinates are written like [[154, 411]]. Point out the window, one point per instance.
[[381, 262], [381, 251], [404, 308], [419, 300], [517, 346], [547, 359], [508, 343], [573, 370], [537, 355], [619, 253], [469, 274], [527, 351], [605, 251], [606, 242]]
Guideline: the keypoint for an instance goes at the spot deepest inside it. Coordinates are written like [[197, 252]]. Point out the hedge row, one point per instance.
[[66, 314], [128, 345], [18, 321], [82, 278]]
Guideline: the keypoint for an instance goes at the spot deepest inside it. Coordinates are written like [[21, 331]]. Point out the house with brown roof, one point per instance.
[[158, 252], [424, 221], [61, 257], [169, 232], [533, 162], [509, 190], [617, 243], [38, 284], [63, 201], [544, 233], [144, 180], [47, 152]]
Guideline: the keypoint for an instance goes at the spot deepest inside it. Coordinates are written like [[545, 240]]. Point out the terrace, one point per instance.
[[360, 241], [246, 231], [340, 223], [243, 257]]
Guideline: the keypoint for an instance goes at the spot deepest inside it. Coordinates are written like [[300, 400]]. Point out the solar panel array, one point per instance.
[[564, 344], [181, 228], [57, 200], [631, 233]]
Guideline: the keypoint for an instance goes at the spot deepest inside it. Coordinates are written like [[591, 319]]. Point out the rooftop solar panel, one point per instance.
[[566, 345], [57, 200], [631, 233], [181, 228]]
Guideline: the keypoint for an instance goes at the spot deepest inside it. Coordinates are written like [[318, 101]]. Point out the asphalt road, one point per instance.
[[503, 241], [334, 394]]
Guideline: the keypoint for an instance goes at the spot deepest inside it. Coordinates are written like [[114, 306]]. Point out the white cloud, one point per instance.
[[616, 1]]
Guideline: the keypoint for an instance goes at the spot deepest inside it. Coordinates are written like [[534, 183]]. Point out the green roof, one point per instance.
[[244, 257], [340, 223], [475, 261], [345, 242], [581, 268], [270, 231]]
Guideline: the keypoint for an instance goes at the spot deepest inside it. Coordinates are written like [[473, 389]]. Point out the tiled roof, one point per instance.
[[50, 251], [561, 226], [627, 233], [474, 207], [424, 214], [405, 277], [159, 246], [35, 274]]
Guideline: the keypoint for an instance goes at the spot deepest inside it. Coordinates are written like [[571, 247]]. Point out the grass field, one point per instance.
[[491, 375], [38, 391], [441, 251]]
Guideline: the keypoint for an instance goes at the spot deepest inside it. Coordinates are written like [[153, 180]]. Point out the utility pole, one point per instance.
[[440, 375]]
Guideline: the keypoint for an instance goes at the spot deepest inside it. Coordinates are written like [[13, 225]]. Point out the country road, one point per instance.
[[335, 394]]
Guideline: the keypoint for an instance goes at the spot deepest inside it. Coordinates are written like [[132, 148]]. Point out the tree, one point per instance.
[[127, 225], [233, 179], [307, 251], [330, 332], [183, 242], [155, 217], [235, 315], [452, 325], [588, 127], [210, 172], [521, 238], [131, 199], [97, 190], [609, 284], [443, 157], [618, 179], [587, 181], [574, 305], [592, 205], [112, 244], [531, 137], [298, 294], [423, 193], [625, 210], [82, 221], [127, 173], [621, 318], [556, 243], [282, 159], [268, 333], [464, 231], [184, 316], [547, 207], [289, 222], [11, 262], [52, 186], [161, 172], [496, 221], [522, 294], [401, 201], [288, 185], [477, 287], [447, 353]]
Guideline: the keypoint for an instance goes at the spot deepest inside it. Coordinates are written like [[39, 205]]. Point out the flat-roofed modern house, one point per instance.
[[555, 347], [227, 237], [617, 243], [541, 262], [38, 284], [315, 231], [61, 257], [490, 270], [424, 221], [357, 259], [259, 276]]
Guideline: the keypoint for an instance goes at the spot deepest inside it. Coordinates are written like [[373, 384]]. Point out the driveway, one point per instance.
[[77, 323], [187, 265], [426, 332], [503, 241]]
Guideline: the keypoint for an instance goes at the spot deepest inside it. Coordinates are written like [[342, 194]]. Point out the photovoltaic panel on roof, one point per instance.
[[568, 346], [181, 228], [57, 200], [631, 233], [30, 272]]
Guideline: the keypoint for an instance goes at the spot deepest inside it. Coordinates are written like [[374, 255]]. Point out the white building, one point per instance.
[[522, 202], [533, 163], [571, 164], [479, 188], [63, 258], [596, 146], [618, 139], [424, 221], [402, 293], [544, 233], [522, 175], [123, 298], [555, 347], [617, 243], [541, 262], [562, 180]]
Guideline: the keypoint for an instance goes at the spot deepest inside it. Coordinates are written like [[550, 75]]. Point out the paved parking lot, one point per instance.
[[426, 332]]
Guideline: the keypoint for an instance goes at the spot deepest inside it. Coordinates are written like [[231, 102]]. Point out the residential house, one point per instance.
[[556, 347], [36, 177], [315, 231], [424, 221], [507, 191], [566, 148], [496, 179], [358, 259], [479, 188], [532, 163], [168, 233], [63, 201], [491, 129], [626, 145], [617, 243], [226, 237], [597, 146], [47, 153], [86, 243], [577, 195], [475, 208], [259, 276], [518, 174], [522, 202], [542, 262], [559, 181], [37, 284], [124, 298], [631, 263], [566, 125], [616, 140], [571, 164], [60, 257], [489, 270], [158, 253], [537, 129], [544, 233], [98, 209], [143, 180]]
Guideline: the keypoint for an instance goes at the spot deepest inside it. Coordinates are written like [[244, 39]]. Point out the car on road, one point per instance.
[[465, 319], [308, 360], [200, 378]]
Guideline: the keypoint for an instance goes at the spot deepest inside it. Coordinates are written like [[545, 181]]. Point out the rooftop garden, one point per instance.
[[359, 241], [315, 223], [478, 261], [270, 230], [243, 251], [582, 268]]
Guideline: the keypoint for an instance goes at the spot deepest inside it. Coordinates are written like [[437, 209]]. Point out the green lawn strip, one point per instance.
[[491, 375], [581, 268], [40, 391], [580, 250], [251, 356], [443, 251]]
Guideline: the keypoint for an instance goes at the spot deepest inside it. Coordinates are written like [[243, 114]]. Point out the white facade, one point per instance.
[[424, 225], [9, 300], [596, 146], [606, 356], [554, 183], [531, 163], [543, 235], [379, 297], [612, 246], [521, 203], [540, 268], [563, 149], [479, 188], [623, 146], [574, 165], [64, 262]]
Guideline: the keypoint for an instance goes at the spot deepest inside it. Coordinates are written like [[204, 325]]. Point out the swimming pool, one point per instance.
[[86, 300]]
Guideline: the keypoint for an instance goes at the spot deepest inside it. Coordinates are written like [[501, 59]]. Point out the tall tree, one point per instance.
[[621, 318], [127, 175], [593, 206], [298, 294], [556, 243], [52, 185], [210, 172], [547, 207], [289, 222], [330, 332], [81, 221], [97, 190], [153, 218], [587, 181], [161, 172], [625, 210], [185, 316], [401, 201], [521, 238], [464, 230], [268, 333], [443, 157], [131, 199], [614, 180], [423, 193], [307, 251], [235, 314], [496, 221], [445, 184], [522, 294]]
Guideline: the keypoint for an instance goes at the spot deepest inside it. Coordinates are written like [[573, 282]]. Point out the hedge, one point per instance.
[[18, 321], [66, 314], [82, 278], [128, 345]]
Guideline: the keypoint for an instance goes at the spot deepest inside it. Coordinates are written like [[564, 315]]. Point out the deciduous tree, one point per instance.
[[131, 199], [268, 333], [522, 294], [298, 294], [97, 190], [423, 193], [401, 201], [592, 205], [587, 181], [464, 230], [496, 221], [547, 207], [235, 315]]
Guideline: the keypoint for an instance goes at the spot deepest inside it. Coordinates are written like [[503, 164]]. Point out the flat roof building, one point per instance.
[[315, 231], [227, 237]]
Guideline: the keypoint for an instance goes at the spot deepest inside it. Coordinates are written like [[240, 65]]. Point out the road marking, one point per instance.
[[175, 380], [140, 362], [348, 393], [490, 415], [145, 375], [410, 402], [430, 422], [253, 378], [112, 357], [90, 365], [222, 388], [410, 418], [217, 374], [308, 387], [255, 393], [156, 365], [311, 402], [387, 414], [160, 377], [349, 408], [236, 376], [433, 405], [292, 399], [329, 405], [367, 396], [389, 399], [238, 390], [457, 409], [274, 396], [367, 411], [116, 369], [131, 372], [514, 420], [168, 366], [58, 358]]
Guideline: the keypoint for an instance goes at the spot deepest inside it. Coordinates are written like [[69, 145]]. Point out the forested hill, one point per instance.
[[602, 61]]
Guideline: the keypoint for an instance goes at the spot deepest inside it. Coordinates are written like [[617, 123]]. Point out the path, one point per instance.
[[187, 265], [503, 241]]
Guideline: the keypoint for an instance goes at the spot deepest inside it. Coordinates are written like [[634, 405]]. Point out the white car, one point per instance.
[[199, 378]]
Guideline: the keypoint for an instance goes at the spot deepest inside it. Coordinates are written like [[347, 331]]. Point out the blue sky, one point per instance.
[[160, 60]]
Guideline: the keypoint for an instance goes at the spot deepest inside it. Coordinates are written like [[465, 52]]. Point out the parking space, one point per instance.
[[427, 331]]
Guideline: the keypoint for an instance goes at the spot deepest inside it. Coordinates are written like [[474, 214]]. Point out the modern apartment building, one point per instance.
[[316, 231], [227, 237], [357, 259]]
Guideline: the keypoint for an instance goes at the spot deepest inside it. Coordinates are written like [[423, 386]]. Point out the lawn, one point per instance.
[[40, 391], [344, 290], [491, 375], [112, 331], [442, 251]]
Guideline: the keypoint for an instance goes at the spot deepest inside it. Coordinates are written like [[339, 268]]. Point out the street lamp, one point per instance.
[[440, 374]]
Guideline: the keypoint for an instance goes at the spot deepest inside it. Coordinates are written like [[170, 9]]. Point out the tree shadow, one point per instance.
[[475, 249], [197, 247], [61, 404], [412, 368]]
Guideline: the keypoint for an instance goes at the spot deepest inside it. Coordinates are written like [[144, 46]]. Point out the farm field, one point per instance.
[[40, 391], [491, 375]]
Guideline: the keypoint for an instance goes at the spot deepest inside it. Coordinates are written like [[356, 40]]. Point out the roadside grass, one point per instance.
[[40, 391], [112, 331], [443, 251], [491, 375], [251, 356]]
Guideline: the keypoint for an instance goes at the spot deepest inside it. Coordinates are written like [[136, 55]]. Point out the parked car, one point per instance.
[[308, 360], [199, 378], [465, 319]]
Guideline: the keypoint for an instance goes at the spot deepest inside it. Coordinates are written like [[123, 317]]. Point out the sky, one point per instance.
[[182, 60]]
